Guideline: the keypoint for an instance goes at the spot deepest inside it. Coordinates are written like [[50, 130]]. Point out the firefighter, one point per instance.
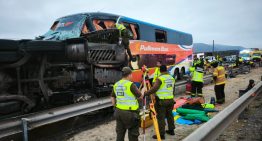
[[219, 59], [197, 73], [164, 90], [157, 71], [219, 76], [125, 97]]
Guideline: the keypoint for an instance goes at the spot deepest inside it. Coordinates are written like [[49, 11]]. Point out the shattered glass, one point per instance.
[[67, 27]]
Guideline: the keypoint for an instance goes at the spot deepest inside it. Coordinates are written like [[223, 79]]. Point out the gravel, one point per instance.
[[249, 125], [106, 131]]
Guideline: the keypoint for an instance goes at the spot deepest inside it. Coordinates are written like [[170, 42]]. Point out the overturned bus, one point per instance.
[[81, 57]]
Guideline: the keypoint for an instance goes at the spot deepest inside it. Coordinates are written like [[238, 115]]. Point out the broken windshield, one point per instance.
[[67, 27]]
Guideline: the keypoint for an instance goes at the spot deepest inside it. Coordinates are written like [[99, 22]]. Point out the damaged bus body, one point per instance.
[[78, 59]]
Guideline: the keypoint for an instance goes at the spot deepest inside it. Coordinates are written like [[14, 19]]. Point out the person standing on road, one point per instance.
[[206, 65], [237, 61], [164, 90], [220, 81], [197, 80], [195, 61], [157, 71], [125, 97]]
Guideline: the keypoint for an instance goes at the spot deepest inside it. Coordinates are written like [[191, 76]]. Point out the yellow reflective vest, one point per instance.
[[219, 72], [125, 99], [166, 89], [197, 74], [156, 74], [195, 62], [120, 27], [240, 60]]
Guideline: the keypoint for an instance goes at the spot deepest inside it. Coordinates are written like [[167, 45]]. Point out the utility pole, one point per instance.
[[213, 48]]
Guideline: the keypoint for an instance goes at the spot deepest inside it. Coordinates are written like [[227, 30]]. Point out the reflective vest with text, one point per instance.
[[166, 89], [125, 99]]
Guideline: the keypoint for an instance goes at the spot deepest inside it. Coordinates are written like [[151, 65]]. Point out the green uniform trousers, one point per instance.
[[127, 120], [164, 110]]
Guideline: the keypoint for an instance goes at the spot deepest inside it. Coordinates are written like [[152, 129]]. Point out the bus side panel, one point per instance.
[[148, 53], [142, 47]]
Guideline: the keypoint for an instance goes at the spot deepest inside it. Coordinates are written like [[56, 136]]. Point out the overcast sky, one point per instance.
[[230, 22]]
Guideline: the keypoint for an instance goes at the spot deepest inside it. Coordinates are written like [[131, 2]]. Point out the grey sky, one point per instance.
[[231, 22]]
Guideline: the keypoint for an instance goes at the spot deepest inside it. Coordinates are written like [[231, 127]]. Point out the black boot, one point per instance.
[[161, 136], [170, 132]]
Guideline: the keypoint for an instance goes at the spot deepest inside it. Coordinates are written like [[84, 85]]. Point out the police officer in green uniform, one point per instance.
[[164, 90], [125, 97], [124, 38], [197, 73], [157, 71], [195, 61]]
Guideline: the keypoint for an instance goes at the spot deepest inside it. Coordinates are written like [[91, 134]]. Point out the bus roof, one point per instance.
[[147, 29], [150, 24]]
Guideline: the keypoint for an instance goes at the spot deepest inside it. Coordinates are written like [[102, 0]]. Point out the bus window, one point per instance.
[[135, 64], [133, 30], [53, 27], [85, 29], [103, 24], [161, 36], [109, 24], [97, 24], [150, 60], [170, 59]]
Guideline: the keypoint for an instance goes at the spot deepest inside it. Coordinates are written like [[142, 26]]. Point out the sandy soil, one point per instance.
[[249, 125], [106, 132]]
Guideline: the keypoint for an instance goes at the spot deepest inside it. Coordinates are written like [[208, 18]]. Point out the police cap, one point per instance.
[[126, 71]]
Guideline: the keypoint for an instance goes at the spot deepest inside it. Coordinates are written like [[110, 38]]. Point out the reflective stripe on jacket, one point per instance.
[[166, 89], [156, 74], [125, 99], [219, 72], [197, 74], [120, 27]]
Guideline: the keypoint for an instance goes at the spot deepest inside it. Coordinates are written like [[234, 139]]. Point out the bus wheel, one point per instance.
[[176, 74]]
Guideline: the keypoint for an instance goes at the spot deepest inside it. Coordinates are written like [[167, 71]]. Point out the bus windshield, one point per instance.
[[244, 55], [256, 54], [67, 27]]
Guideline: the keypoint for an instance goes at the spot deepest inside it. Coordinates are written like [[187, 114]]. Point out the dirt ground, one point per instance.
[[106, 131], [249, 125]]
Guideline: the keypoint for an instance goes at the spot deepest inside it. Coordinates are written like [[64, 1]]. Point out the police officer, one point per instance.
[[163, 88], [197, 73], [241, 60], [124, 39], [125, 97], [198, 61], [195, 61], [157, 71], [220, 81], [237, 61]]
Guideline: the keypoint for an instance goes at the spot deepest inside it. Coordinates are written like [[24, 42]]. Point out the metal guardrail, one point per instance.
[[14, 126], [214, 127], [31, 121]]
